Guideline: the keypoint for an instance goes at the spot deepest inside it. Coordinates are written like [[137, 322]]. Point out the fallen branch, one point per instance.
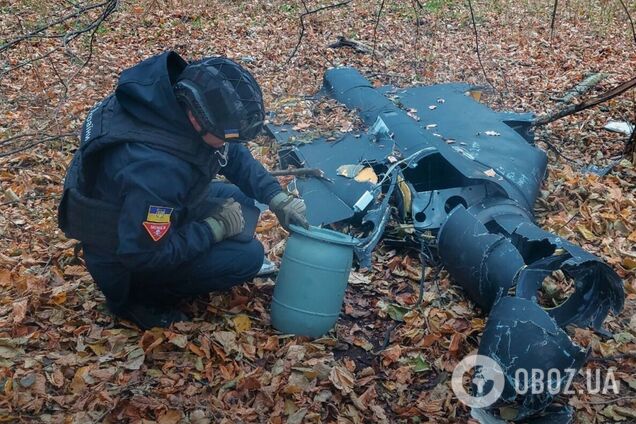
[[583, 87], [572, 109], [348, 42], [302, 23]]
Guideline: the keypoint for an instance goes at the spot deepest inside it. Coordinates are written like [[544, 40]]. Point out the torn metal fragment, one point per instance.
[[598, 289], [553, 414], [360, 173], [349, 171], [523, 339], [367, 175]]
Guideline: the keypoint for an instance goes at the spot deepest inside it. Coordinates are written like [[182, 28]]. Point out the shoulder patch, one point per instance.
[[159, 214], [156, 230], [158, 221]]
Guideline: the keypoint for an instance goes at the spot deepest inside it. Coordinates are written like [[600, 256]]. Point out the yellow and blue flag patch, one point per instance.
[[157, 221], [231, 133], [159, 214]]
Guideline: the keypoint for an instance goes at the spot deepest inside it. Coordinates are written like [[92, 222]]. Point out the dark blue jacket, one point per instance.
[[138, 150]]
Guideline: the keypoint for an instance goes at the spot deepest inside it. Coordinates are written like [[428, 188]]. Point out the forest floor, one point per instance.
[[64, 359]]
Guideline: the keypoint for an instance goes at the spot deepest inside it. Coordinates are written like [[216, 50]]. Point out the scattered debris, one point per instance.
[[620, 127]]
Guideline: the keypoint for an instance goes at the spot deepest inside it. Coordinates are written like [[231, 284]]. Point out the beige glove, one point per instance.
[[227, 221]]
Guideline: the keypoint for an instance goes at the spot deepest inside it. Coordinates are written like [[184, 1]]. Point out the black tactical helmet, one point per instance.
[[223, 97]]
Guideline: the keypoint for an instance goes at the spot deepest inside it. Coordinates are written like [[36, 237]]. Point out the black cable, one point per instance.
[[425, 261]]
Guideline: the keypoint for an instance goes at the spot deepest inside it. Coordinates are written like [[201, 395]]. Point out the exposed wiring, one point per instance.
[[401, 161], [426, 261]]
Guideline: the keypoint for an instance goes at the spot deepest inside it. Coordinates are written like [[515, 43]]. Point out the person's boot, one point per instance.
[[268, 268], [147, 316]]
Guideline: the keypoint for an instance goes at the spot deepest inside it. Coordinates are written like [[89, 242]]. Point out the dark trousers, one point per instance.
[[225, 265]]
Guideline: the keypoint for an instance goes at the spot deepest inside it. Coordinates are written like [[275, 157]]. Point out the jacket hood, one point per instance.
[[145, 92]]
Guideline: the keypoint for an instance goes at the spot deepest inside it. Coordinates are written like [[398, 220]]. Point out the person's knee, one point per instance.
[[228, 264]]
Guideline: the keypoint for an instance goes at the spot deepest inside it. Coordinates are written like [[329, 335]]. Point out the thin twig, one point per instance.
[[472, 16], [554, 12], [375, 31], [14, 138], [36, 71], [36, 33], [302, 24], [616, 357], [67, 38], [630, 19], [630, 145], [557, 151], [84, 63], [28, 62], [417, 37], [566, 223], [93, 26], [35, 143], [25, 199], [603, 402]]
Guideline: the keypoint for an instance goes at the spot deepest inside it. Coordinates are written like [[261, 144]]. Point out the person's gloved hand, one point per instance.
[[227, 221], [289, 210]]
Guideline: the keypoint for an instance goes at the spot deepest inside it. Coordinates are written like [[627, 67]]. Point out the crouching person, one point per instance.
[[139, 193]]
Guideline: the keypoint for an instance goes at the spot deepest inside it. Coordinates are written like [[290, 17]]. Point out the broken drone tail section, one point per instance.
[[501, 258]]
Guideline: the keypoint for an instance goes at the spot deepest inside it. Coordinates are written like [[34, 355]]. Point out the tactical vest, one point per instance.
[[78, 213]]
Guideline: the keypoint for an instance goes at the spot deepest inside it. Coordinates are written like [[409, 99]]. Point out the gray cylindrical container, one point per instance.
[[312, 280]]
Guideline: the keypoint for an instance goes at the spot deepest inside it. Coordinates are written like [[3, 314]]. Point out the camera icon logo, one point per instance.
[[488, 381]]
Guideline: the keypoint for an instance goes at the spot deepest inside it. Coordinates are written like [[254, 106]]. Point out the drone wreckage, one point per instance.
[[467, 176]]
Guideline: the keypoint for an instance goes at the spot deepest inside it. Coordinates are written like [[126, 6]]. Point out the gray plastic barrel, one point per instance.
[[311, 282]]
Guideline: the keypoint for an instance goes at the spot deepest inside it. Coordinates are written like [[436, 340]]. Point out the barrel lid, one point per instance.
[[325, 235]]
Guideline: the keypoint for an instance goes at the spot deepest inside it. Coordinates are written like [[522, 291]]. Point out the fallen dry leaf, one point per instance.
[[342, 379], [242, 323], [19, 311]]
